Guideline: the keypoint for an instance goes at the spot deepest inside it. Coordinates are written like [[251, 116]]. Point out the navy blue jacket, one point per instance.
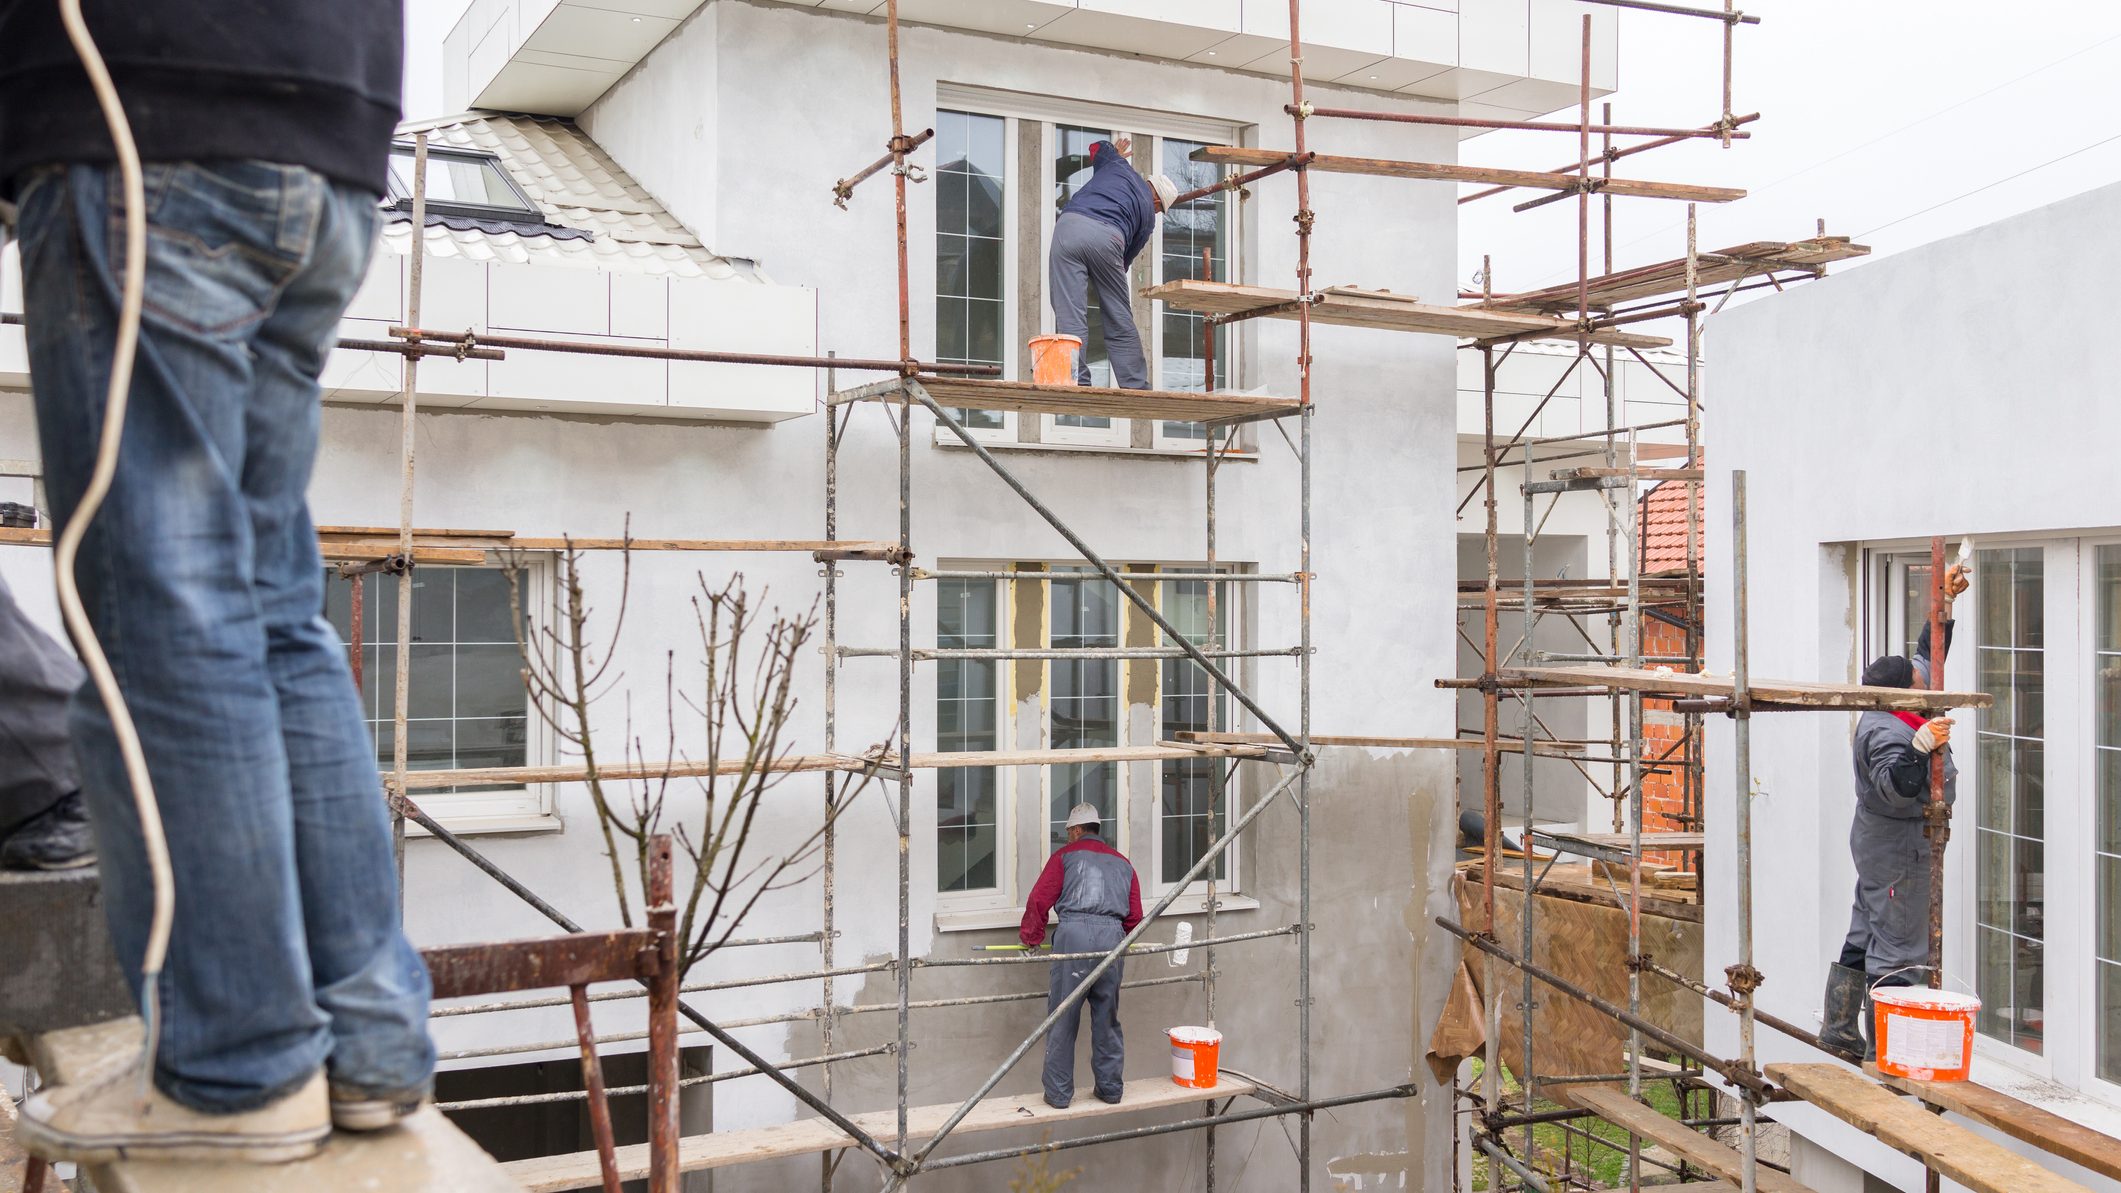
[[1118, 196], [312, 84]]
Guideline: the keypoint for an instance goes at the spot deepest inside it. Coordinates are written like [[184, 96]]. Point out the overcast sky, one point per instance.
[[1898, 123]]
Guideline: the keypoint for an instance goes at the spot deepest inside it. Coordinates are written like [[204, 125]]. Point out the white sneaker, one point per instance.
[[355, 1110], [122, 1118]]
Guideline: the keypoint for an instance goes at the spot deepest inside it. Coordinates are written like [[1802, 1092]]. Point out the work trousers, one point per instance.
[[1888, 936], [1108, 1046], [1088, 255], [37, 675], [202, 578]]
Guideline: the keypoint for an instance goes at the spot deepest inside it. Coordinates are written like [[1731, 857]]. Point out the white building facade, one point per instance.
[[1935, 396], [665, 179]]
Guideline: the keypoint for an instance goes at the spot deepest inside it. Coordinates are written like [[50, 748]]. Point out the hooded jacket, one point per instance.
[[310, 84], [1118, 196]]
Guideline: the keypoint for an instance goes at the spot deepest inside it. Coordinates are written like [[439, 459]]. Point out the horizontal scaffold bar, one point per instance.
[[1383, 310], [1231, 155], [680, 768], [1044, 577], [1785, 692], [1096, 401], [1550, 749], [689, 355], [1003, 655]]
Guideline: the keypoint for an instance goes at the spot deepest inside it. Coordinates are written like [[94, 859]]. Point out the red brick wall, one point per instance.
[[1664, 794]]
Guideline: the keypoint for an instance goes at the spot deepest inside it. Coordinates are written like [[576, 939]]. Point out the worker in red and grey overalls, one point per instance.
[[1888, 938], [1099, 900]]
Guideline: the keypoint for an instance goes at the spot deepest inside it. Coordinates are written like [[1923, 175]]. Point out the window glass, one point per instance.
[[971, 244], [1915, 606], [458, 180], [1084, 701], [1191, 230], [467, 706], [967, 814], [1192, 805], [2106, 781], [1071, 171], [2010, 868]]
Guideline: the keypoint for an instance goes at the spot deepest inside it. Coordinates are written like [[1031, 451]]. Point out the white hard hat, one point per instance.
[[1082, 814], [1166, 190]]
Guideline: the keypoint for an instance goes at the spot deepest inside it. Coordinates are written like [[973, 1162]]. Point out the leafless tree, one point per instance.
[[735, 747]]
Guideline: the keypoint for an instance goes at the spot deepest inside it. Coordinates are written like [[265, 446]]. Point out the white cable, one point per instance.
[[69, 545]]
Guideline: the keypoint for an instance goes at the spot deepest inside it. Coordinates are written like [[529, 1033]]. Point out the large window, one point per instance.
[[1175, 808], [2106, 783], [967, 813], [972, 246], [1085, 703], [2009, 894], [986, 199]]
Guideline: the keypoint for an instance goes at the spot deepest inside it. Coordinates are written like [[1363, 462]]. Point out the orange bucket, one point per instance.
[[1924, 1034], [1053, 359], [1195, 1055]]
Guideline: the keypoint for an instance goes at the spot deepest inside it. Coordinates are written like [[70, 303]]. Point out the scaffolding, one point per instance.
[[1596, 314]]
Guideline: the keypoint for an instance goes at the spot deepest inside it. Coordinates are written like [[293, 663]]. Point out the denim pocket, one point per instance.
[[223, 239]]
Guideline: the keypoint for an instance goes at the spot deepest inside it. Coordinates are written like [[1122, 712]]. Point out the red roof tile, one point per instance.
[[1663, 520]]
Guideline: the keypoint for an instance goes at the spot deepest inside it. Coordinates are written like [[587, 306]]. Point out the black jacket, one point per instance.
[[301, 82]]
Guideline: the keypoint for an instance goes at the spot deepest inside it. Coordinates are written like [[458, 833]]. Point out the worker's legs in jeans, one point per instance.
[[203, 581], [1107, 1044], [1087, 255]]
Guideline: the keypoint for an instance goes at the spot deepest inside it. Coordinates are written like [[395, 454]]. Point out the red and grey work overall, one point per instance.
[[1094, 890]]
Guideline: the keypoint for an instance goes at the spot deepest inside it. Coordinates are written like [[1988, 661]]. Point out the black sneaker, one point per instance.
[[57, 838]]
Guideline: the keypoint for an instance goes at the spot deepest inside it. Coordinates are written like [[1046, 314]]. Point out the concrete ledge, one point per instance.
[[59, 970]]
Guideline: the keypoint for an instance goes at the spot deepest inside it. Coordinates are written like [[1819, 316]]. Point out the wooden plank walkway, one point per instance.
[[426, 1154], [1092, 400], [1233, 155], [1794, 693], [1614, 1106], [2020, 1120], [1382, 310], [548, 1174], [1905, 1127]]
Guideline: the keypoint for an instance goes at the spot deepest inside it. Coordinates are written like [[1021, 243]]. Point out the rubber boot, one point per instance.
[[1847, 1003]]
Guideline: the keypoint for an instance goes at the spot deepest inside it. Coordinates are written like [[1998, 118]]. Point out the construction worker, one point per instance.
[[43, 823], [290, 1000], [1888, 938], [1099, 900], [1095, 240]]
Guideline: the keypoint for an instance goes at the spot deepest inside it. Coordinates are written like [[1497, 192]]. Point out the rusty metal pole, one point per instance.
[[593, 1084], [1216, 777], [1938, 813], [663, 1173], [905, 606], [401, 699], [1742, 976], [359, 582], [1303, 662]]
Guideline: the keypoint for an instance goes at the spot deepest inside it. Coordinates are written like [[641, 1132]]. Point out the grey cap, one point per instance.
[[1084, 814]]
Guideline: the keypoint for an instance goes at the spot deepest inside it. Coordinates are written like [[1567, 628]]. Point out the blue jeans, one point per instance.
[[204, 583]]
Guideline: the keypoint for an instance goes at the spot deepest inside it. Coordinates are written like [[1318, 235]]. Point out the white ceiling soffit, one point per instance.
[[1518, 58]]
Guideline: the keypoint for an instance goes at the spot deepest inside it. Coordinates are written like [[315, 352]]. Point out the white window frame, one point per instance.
[[1231, 610], [1012, 352], [1021, 814], [2082, 940], [531, 807], [1003, 894], [1051, 112]]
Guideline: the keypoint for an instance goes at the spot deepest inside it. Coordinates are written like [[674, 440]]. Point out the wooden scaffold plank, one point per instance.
[[1906, 1127], [1091, 400], [1544, 749], [1231, 155], [1697, 1149], [1668, 278], [1780, 692], [722, 1149], [2044, 1129], [1383, 310]]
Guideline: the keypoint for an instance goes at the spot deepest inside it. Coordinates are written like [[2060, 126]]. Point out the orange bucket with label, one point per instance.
[[1195, 1056], [1053, 359], [1924, 1034]]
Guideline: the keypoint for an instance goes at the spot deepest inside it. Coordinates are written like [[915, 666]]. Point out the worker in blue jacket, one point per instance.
[[1095, 240]]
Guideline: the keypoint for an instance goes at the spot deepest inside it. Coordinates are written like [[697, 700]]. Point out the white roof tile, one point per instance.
[[577, 185]]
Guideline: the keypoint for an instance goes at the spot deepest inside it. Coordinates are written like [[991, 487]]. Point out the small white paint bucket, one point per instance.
[[1195, 1056]]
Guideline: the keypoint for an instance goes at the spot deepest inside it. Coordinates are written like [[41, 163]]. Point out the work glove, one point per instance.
[[1934, 733]]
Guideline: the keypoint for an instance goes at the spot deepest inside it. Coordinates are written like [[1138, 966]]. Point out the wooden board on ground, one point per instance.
[[1092, 400], [1906, 1127], [1614, 1106], [1668, 278], [1437, 171], [548, 1174], [1383, 310], [426, 1154], [2044, 1129], [1796, 693], [1668, 842]]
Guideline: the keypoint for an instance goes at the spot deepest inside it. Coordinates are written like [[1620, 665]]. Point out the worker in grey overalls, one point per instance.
[[1888, 939], [1099, 899]]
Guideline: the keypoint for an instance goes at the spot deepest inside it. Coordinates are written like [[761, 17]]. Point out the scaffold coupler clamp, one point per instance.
[[465, 345], [1638, 962], [1304, 110], [1304, 220], [1743, 980], [1937, 820]]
